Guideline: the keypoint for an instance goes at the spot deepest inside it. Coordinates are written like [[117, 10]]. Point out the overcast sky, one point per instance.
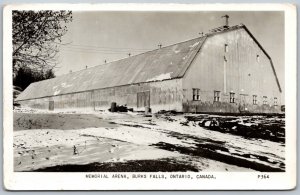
[[93, 37]]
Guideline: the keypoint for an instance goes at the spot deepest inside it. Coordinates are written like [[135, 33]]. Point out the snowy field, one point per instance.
[[104, 141]]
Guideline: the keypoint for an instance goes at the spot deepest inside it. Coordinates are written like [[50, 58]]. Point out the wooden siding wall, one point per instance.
[[244, 75], [164, 95]]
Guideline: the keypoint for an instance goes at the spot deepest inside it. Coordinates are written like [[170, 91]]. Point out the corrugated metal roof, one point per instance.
[[166, 63]]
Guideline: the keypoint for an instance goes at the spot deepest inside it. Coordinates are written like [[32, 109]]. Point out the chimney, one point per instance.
[[226, 21]]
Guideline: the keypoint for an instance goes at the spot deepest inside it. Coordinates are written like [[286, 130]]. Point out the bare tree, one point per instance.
[[36, 38]]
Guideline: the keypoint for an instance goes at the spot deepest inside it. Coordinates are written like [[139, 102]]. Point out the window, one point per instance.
[[275, 101], [265, 101], [226, 48], [232, 99], [196, 94], [257, 58], [216, 96], [255, 99]]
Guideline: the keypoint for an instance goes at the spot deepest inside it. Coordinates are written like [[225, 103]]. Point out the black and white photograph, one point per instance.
[[164, 95]]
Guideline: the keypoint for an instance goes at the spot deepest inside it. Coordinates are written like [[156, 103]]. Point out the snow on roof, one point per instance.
[[168, 62], [161, 77], [165, 63]]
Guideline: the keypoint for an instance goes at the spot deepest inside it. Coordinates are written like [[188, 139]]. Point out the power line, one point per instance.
[[109, 51], [76, 48], [103, 48], [115, 50], [95, 51], [119, 52]]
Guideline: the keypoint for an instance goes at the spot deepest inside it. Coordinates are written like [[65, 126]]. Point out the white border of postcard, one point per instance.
[[79, 181]]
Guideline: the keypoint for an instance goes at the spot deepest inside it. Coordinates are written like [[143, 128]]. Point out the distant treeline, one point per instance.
[[25, 76]]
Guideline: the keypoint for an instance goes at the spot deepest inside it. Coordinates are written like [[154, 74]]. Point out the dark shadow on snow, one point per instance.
[[208, 151], [160, 165]]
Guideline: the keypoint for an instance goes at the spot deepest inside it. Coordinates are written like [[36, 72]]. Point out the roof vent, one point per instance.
[[226, 21]]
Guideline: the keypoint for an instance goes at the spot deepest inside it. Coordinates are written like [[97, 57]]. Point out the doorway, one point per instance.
[[143, 99], [51, 105], [242, 105]]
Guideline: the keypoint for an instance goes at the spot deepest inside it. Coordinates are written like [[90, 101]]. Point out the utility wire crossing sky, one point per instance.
[[94, 38]]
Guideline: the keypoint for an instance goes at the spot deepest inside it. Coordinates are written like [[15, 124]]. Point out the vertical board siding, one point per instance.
[[244, 75], [164, 95]]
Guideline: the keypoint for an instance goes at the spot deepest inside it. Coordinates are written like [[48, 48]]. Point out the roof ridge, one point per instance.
[[107, 64], [198, 37], [133, 56]]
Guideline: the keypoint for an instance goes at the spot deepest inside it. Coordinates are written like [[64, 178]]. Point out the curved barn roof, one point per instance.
[[161, 64]]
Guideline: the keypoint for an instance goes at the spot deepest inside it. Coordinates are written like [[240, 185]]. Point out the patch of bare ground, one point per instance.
[[25, 121], [217, 150], [208, 151], [267, 127]]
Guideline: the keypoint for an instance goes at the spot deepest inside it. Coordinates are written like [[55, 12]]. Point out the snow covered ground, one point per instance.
[[45, 139]]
